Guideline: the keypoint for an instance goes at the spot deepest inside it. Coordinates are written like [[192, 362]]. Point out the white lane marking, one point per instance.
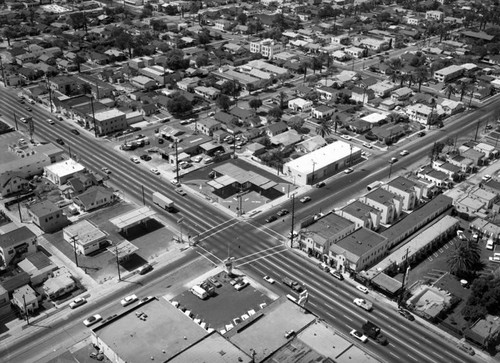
[[260, 258], [210, 253], [259, 252]]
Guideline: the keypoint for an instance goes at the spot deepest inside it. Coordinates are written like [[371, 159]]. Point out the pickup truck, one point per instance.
[[362, 303], [293, 284], [373, 331]]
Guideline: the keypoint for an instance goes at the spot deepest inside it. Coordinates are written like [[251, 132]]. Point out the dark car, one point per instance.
[[320, 185], [421, 134], [145, 157], [145, 269], [283, 212], [60, 141], [160, 141], [214, 281], [271, 219], [75, 131], [28, 109], [406, 314]]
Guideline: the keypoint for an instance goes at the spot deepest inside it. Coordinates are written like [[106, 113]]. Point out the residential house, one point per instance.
[[47, 216], [60, 284], [188, 84], [484, 332], [25, 299], [438, 178], [355, 52], [242, 114], [95, 197], [327, 93], [451, 170], [300, 105], [317, 236], [383, 89], [311, 144], [208, 93], [225, 118], [391, 205], [390, 133], [361, 94], [434, 15], [409, 191], [322, 112], [419, 112], [208, 126], [285, 139], [477, 157], [12, 182], [361, 214], [38, 266], [143, 82], [276, 129], [17, 244], [222, 24], [402, 94]]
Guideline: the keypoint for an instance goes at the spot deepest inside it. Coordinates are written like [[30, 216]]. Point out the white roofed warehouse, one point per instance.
[[322, 163]]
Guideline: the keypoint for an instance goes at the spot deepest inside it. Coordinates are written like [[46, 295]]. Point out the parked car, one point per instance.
[[271, 219], [461, 235], [283, 212], [28, 109], [348, 170], [320, 185], [241, 285], [50, 121], [128, 300], [393, 160], [305, 199], [421, 134], [367, 145], [358, 335], [214, 281], [92, 320], [175, 182], [106, 170], [135, 159], [466, 348], [362, 288], [145, 269], [486, 178], [269, 279], [337, 275], [145, 157], [155, 171], [60, 141], [406, 314], [79, 301], [346, 137]]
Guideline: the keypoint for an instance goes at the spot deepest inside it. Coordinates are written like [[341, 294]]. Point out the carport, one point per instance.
[[137, 216]]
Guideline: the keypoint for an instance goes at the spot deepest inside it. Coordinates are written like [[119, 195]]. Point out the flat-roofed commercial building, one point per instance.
[[450, 72], [110, 121]]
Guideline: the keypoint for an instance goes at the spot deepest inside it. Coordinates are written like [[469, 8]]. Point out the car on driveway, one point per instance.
[[358, 335], [145, 157], [283, 212], [92, 320], [305, 199], [79, 301], [155, 171], [362, 288], [180, 191], [128, 300], [269, 279], [271, 219]]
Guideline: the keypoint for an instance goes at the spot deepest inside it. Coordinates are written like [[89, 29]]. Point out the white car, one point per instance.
[[490, 244], [79, 301], [367, 145], [404, 153], [362, 303], [348, 170], [175, 182], [128, 300], [106, 170], [486, 178], [269, 279], [346, 137], [50, 121], [155, 171], [358, 335], [362, 288], [241, 285], [180, 191], [135, 160], [461, 235], [305, 199], [92, 320]]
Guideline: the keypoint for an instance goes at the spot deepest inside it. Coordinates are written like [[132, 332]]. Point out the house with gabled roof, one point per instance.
[[95, 197], [389, 204], [361, 214], [225, 118], [276, 129], [17, 244], [47, 216], [12, 182], [242, 114], [311, 144]]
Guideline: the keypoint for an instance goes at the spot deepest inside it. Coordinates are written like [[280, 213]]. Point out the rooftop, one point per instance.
[[13, 238], [66, 167], [329, 225], [360, 242], [359, 209], [85, 232]]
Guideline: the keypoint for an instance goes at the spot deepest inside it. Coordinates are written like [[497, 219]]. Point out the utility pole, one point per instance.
[[19, 210], [73, 239], [3, 72], [93, 114], [477, 129], [177, 160], [400, 298], [314, 166], [15, 121], [293, 221], [143, 200], [118, 262], [26, 313], [50, 93]]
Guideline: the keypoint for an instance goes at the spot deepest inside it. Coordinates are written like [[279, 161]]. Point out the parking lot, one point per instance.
[[226, 306]]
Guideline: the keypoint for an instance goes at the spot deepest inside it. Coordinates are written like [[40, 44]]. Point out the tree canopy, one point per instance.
[[179, 104], [483, 299]]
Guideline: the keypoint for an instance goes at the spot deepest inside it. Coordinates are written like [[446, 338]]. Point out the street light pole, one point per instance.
[[314, 166], [117, 262], [73, 239], [293, 221]]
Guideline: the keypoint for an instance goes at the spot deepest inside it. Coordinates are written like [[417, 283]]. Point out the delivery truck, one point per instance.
[[163, 201], [373, 331]]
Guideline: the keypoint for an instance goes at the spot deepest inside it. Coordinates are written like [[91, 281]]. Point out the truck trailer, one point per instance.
[[163, 201]]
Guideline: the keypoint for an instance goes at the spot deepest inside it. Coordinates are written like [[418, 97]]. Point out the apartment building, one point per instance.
[[267, 47]]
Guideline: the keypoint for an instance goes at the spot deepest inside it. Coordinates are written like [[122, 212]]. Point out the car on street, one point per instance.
[[50, 121], [486, 178], [269, 279], [23, 120], [92, 320], [324, 267], [348, 170], [155, 171], [362, 288], [146, 299], [128, 300], [305, 199], [393, 160], [421, 134], [180, 191], [75, 132], [175, 182], [346, 137], [79, 301], [358, 335], [271, 219], [337, 275], [145, 157], [320, 185], [362, 303], [106, 170], [60, 141], [466, 348], [135, 160], [367, 145], [144, 269], [404, 153], [406, 314], [28, 108], [241, 285], [283, 212]]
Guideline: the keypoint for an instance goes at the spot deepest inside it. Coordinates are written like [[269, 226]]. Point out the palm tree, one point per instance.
[[325, 128], [450, 89], [463, 87], [465, 259], [421, 74]]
